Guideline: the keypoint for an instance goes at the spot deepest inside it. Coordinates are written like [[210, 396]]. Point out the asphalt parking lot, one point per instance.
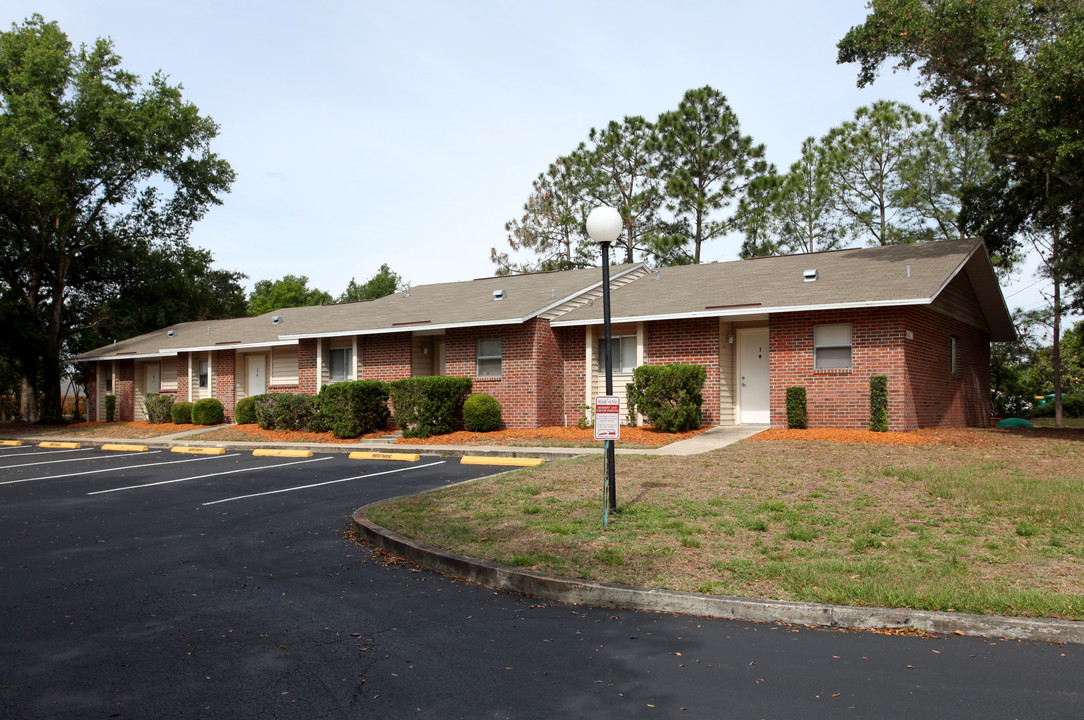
[[163, 585]]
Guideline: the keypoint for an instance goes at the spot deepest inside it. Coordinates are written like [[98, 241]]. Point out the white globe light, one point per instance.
[[604, 224]]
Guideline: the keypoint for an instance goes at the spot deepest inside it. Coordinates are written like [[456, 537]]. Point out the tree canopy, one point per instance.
[[95, 167], [1015, 69], [384, 282], [289, 291], [1012, 68], [677, 183]]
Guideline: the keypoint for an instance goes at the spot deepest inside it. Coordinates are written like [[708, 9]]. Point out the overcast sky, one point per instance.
[[408, 133]]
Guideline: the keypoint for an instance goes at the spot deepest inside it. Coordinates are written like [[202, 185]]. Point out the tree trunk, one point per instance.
[[1055, 266], [52, 410], [28, 401]]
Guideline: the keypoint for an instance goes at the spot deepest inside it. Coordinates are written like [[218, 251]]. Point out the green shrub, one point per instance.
[[427, 406], [287, 411], [208, 411], [158, 407], [354, 408], [668, 395], [244, 411], [481, 413], [182, 413], [796, 408], [110, 408], [878, 403]]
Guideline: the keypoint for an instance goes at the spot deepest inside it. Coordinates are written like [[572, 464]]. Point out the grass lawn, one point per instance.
[[993, 524]]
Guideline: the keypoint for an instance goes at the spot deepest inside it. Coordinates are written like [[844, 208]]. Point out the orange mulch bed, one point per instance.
[[629, 435], [257, 433], [142, 425], [959, 437]]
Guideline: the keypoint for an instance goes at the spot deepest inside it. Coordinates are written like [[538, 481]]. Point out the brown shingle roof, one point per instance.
[[861, 277], [892, 275]]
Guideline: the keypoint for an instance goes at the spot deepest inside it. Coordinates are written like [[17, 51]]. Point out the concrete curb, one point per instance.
[[623, 597], [495, 451]]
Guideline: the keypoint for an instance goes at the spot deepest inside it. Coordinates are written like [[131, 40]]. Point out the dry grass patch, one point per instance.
[[996, 526], [126, 430]]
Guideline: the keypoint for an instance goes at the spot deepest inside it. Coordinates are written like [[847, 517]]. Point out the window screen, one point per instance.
[[623, 354], [339, 364], [832, 346], [489, 358]]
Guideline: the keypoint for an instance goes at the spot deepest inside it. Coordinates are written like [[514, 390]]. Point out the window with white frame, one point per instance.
[[109, 378], [338, 364], [622, 354], [204, 367], [832, 346], [489, 357]]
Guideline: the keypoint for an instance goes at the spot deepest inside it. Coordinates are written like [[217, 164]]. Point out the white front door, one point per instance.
[[257, 369], [152, 378], [753, 371]]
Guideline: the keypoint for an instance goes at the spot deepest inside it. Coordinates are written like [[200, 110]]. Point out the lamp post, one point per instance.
[[604, 224]]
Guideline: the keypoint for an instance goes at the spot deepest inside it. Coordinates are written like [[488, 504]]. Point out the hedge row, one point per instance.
[[424, 406], [162, 409]]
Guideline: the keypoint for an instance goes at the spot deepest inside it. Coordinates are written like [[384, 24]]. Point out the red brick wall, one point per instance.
[[937, 397], [385, 357], [573, 353], [695, 342], [223, 369], [921, 391], [307, 381], [182, 376], [92, 392], [531, 386], [125, 390]]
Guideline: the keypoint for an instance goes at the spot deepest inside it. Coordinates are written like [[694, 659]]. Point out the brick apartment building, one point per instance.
[[922, 314]]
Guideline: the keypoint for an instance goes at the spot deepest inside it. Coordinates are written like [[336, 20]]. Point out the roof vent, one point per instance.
[[810, 275], [499, 294], [276, 319], [658, 273], [171, 333]]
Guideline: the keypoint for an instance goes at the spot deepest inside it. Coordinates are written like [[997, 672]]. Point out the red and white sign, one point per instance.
[[607, 417]]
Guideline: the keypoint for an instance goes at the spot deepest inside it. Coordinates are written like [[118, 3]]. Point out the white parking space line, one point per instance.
[[73, 460], [200, 477], [47, 452], [329, 482], [113, 469]]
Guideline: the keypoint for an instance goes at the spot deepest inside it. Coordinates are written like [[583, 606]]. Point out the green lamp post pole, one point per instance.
[[604, 225]]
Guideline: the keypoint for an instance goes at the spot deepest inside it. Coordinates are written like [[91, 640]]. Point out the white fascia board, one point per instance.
[[405, 328], [737, 312], [236, 346], [128, 356]]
